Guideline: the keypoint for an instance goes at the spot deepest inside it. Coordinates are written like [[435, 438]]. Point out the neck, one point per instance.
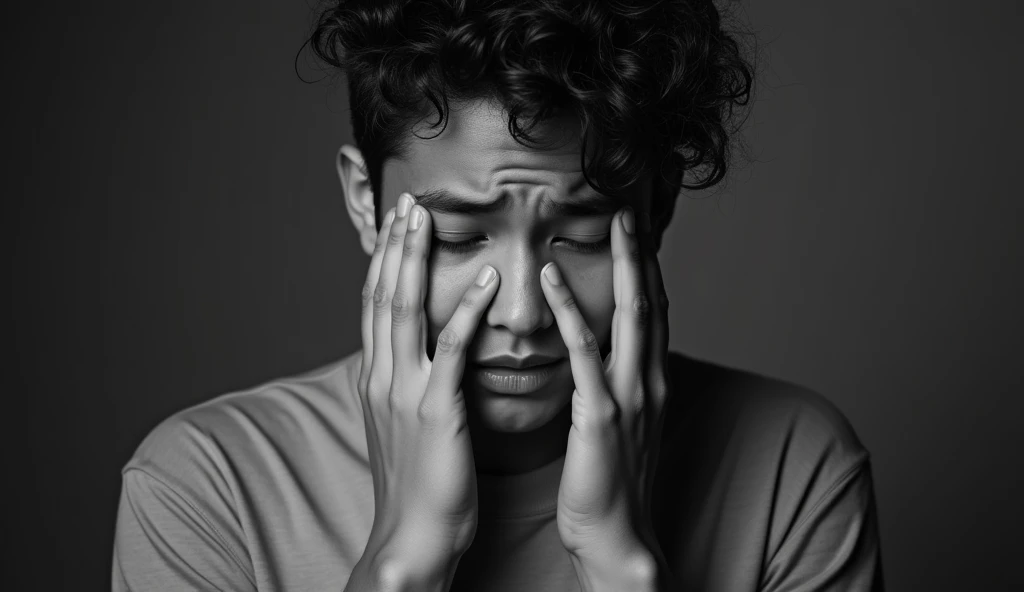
[[510, 453]]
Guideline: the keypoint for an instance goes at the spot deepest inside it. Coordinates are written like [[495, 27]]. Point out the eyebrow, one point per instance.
[[446, 202]]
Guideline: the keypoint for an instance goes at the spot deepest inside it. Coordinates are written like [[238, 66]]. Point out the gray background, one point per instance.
[[180, 233]]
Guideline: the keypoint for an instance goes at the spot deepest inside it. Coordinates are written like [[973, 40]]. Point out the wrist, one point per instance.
[[403, 574], [403, 563], [638, 570]]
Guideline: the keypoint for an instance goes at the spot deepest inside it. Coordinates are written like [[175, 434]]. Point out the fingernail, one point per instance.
[[551, 272], [390, 217], [485, 276], [417, 218], [628, 223], [404, 203]]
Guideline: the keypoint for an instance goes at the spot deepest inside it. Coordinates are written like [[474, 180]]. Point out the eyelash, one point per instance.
[[467, 245]]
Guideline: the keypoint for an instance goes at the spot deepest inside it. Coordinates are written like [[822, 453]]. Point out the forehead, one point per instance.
[[476, 157]]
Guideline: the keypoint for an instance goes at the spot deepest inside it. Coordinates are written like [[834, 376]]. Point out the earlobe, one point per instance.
[[358, 195]]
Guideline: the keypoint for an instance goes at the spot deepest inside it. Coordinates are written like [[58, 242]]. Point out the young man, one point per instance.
[[514, 420]]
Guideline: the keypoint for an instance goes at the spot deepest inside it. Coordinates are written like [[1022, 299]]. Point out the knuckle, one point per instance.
[[637, 406], [586, 341], [427, 412], [468, 301], [608, 413], [637, 400], [395, 401], [380, 296], [659, 388], [569, 304], [403, 392], [377, 387], [367, 293], [395, 238], [641, 308], [410, 250], [401, 307], [448, 341]]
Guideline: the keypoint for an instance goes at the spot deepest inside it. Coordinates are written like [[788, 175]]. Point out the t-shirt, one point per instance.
[[761, 485]]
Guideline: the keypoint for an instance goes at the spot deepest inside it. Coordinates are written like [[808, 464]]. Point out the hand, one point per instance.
[[604, 497], [424, 479]]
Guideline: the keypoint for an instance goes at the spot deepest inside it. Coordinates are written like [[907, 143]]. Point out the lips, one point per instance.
[[503, 379], [517, 363]]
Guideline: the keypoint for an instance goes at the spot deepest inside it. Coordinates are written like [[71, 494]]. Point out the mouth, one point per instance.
[[509, 380]]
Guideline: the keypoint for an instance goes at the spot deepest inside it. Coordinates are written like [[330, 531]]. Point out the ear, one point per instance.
[[355, 187]]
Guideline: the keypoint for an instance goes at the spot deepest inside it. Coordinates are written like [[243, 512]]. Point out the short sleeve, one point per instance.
[[835, 546], [164, 542]]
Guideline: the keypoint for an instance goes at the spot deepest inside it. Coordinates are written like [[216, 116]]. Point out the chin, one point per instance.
[[515, 413]]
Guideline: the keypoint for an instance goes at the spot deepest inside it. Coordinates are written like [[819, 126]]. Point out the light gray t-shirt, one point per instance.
[[762, 485]]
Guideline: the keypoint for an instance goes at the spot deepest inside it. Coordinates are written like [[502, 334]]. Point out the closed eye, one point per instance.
[[457, 246], [595, 247], [469, 244]]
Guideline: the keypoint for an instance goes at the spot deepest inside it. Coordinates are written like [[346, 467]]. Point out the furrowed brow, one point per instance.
[[598, 205], [445, 202]]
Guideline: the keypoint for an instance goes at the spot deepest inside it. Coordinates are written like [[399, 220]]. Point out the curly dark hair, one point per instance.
[[655, 84]]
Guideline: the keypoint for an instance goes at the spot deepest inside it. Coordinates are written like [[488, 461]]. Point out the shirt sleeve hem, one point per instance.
[[209, 523]]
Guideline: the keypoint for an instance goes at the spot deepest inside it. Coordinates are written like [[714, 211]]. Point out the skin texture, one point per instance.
[[420, 455], [419, 400], [477, 159]]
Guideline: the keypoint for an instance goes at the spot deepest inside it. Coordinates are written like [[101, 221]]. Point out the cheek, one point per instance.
[[590, 279], [591, 283], [445, 288]]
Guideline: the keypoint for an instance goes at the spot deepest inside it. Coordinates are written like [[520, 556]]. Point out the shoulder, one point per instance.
[[238, 429], [781, 407], [767, 427], [214, 486], [768, 480]]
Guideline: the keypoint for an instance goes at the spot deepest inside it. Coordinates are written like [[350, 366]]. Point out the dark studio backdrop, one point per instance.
[[178, 232]]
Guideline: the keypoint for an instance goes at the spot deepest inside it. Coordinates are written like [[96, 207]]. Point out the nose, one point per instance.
[[519, 306]]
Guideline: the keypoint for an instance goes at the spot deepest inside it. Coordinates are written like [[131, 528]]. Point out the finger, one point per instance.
[[407, 304], [424, 330], [449, 362], [656, 377], [609, 360], [381, 369], [657, 380], [631, 304], [616, 313], [366, 319], [584, 351]]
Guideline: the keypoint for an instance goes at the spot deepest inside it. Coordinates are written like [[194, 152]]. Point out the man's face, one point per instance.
[[476, 161]]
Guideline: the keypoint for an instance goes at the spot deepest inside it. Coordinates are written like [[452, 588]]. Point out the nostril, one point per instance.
[[519, 305]]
